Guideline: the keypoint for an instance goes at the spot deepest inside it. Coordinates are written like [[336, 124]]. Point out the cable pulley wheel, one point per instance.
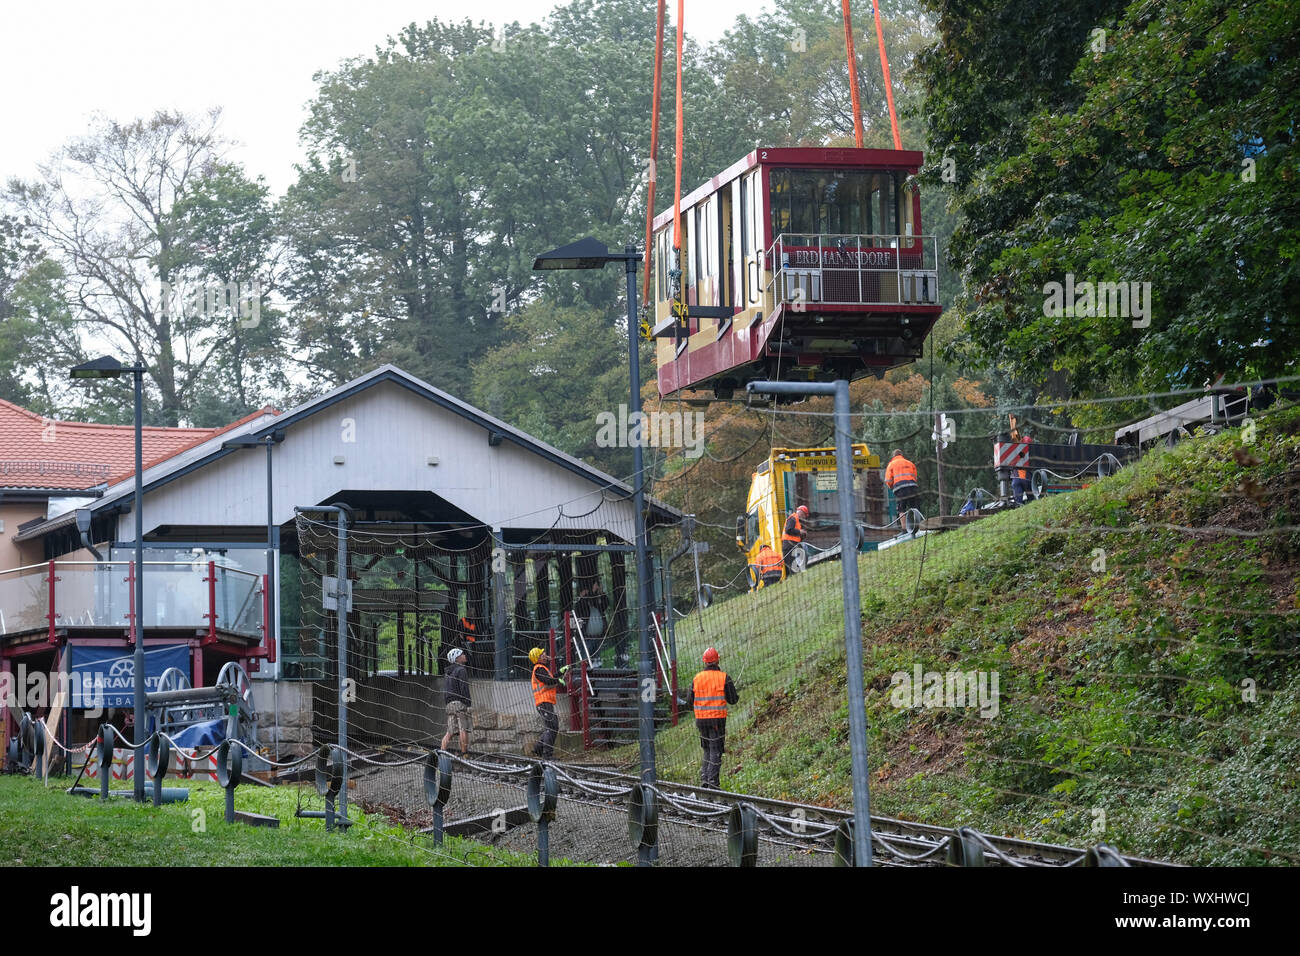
[[437, 779], [329, 771], [964, 849], [642, 816], [27, 740], [844, 844], [158, 758], [742, 835], [230, 765], [106, 734], [542, 792], [1103, 854]]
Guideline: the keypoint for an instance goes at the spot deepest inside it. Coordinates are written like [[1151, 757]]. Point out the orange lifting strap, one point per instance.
[[677, 191], [853, 73], [884, 69], [654, 148]]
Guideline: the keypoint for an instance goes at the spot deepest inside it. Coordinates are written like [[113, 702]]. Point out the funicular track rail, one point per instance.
[[785, 823]]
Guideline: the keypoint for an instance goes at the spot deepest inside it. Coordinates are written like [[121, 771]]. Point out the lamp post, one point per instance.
[[109, 367], [593, 254], [272, 536]]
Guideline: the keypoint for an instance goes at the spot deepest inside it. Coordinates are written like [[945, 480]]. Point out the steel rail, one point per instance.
[[903, 841]]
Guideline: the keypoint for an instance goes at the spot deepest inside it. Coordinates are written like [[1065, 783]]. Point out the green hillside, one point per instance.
[[1126, 623]]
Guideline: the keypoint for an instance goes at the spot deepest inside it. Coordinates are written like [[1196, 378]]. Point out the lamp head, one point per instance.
[[586, 253], [103, 367]]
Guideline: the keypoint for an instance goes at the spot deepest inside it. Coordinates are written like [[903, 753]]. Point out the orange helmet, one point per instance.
[[710, 656], [803, 508]]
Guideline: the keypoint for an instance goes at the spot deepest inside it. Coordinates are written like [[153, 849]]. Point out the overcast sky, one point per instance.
[[64, 60]]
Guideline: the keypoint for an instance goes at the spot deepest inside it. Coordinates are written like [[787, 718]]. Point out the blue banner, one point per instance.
[[105, 676]]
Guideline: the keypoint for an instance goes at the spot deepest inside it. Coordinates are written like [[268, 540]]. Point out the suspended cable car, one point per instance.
[[805, 264]]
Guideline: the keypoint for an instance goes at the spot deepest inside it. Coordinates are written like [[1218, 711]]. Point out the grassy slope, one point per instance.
[[1120, 690], [47, 827]]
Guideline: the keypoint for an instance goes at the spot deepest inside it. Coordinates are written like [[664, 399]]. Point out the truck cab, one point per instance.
[[790, 477]]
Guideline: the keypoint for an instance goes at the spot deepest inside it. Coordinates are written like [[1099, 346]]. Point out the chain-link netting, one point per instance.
[[1074, 631]]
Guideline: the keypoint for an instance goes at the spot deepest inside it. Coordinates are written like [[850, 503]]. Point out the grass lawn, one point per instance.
[[47, 827]]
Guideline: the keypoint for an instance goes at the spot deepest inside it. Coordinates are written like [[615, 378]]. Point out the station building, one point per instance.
[[457, 524]]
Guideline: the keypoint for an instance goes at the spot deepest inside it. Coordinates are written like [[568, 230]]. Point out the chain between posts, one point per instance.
[[745, 820]]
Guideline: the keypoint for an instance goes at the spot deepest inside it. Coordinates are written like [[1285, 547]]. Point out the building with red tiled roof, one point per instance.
[[43, 458]]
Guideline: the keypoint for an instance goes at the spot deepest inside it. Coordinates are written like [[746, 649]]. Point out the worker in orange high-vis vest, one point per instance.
[[468, 634], [900, 476], [794, 534], [545, 688], [1020, 480], [769, 565], [710, 693]]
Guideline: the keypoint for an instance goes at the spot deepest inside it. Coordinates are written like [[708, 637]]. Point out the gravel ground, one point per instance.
[[581, 831]]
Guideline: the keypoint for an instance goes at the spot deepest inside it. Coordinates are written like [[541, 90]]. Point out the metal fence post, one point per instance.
[[852, 625], [839, 390], [345, 603], [500, 601]]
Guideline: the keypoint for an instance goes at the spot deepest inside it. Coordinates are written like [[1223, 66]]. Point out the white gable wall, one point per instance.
[[385, 434]]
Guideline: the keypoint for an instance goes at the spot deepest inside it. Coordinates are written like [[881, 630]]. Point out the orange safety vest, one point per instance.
[[543, 693], [1022, 473], [468, 628], [786, 536], [710, 695], [769, 561], [899, 470]]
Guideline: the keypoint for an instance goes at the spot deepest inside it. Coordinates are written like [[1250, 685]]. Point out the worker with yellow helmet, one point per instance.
[[545, 688]]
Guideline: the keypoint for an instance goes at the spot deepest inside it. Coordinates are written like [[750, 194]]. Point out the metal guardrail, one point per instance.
[[840, 269], [203, 595]]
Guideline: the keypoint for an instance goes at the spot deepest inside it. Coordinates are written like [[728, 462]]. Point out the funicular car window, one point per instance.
[[833, 201]]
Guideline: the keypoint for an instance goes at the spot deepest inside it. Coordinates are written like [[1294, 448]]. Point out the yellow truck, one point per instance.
[[791, 477]]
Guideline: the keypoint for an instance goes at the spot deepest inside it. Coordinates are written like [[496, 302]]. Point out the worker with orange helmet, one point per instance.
[[794, 534], [545, 688], [710, 693]]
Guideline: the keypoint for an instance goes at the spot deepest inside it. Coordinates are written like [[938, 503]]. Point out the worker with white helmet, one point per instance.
[[456, 694]]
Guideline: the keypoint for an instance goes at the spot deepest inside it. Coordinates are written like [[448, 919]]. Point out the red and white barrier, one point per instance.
[[204, 767], [123, 765], [1010, 454]]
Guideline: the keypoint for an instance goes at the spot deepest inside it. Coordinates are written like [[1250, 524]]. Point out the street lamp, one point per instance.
[[109, 367], [593, 254], [272, 536]]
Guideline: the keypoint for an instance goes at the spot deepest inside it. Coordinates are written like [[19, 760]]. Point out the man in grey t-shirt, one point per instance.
[[456, 694]]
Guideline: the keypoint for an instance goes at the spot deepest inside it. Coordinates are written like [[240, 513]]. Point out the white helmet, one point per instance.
[[454, 655]]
